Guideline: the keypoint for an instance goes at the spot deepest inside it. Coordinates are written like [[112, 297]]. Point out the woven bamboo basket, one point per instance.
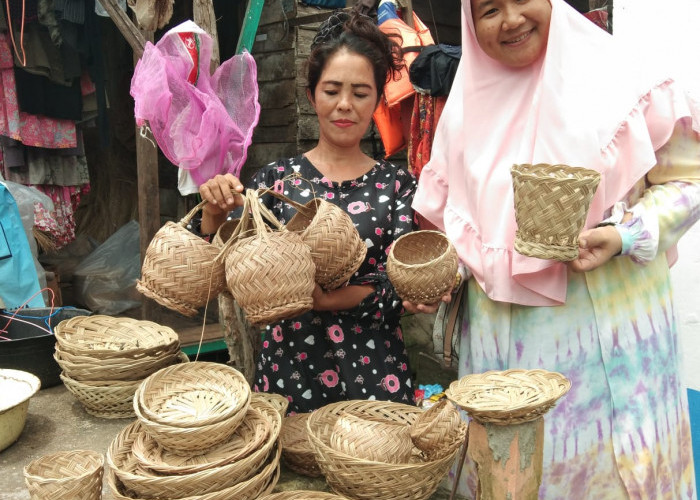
[[249, 437], [510, 396], [371, 438], [271, 274], [297, 453], [365, 479], [194, 394], [65, 475], [551, 206], [422, 266], [336, 247], [279, 402], [108, 337], [432, 429], [180, 270], [262, 483], [302, 495], [107, 400]]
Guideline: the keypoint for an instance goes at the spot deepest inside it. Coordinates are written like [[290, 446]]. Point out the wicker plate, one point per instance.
[[194, 395], [105, 337], [510, 396], [365, 479], [66, 475], [297, 453], [249, 436], [302, 495]]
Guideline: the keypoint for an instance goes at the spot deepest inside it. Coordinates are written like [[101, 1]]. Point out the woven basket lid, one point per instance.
[[510, 396]]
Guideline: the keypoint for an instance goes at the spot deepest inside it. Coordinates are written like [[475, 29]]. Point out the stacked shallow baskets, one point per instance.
[[362, 478], [103, 359], [200, 434]]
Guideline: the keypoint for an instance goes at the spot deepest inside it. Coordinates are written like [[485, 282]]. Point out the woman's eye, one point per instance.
[[330, 92], [361, 96]]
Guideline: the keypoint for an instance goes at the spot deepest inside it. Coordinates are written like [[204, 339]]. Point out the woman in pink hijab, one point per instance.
[[539, 83]]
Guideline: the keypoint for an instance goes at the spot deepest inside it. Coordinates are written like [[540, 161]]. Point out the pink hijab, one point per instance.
[[580, 105]]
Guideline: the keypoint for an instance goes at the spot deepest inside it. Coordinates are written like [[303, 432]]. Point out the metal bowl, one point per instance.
[[17, 387]]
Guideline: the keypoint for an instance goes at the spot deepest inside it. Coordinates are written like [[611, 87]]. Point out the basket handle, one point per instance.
[[187, 218], [243, 225], [303, 209]]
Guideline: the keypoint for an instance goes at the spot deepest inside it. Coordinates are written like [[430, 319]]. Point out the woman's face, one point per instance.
[[345, 98], [513, 32]]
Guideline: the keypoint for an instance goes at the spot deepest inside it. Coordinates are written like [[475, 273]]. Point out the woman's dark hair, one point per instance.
[[359, 34]]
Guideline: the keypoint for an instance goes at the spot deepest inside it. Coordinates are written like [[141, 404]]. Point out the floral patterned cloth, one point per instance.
[[323, 357]]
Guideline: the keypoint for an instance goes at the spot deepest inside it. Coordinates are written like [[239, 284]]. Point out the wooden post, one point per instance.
[[508, 459], [204, 17], [242, 339]]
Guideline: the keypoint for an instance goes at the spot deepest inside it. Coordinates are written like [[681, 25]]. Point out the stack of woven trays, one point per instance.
[[349, 474], [104, 358], [206, 437]]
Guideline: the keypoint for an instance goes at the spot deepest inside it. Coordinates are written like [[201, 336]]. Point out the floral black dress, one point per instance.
[[323, 357]]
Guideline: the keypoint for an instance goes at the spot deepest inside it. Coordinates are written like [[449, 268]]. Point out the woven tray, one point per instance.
[[297, 453], [106, 337], [251, 435], [365, 479], [551, 206], [302, 495], [422, 266], [432, 429], [66, 475], [510, 396], [194, 395]]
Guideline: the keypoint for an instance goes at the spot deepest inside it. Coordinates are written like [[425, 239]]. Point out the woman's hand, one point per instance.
[[223, 192], [595, 247], [426, 308]]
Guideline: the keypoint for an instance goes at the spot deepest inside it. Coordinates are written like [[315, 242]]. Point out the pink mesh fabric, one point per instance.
[[202, 123]]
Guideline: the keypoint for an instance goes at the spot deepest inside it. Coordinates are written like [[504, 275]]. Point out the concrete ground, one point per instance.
[[57, 421]]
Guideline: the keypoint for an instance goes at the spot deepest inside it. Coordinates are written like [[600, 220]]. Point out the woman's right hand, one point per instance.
[[414, 308], [223, 194]]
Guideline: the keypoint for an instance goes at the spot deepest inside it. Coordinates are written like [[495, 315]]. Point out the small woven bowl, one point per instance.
[[66, 475], [370, 438], [508, 397], [104, 399], [422, 266], [297, 453], [432, 429], [551, 206], [194, 395]]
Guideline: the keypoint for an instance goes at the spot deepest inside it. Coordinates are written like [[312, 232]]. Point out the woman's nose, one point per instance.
[[344, 101], [512, 17]]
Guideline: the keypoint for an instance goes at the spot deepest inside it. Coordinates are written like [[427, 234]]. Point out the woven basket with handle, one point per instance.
[[510, 396], [551, 206], [65, 475], [366, 479], [270, 274], [180, 270], [422, 266], [297, 453]]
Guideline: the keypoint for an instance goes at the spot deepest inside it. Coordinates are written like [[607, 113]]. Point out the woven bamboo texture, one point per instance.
[[371, 438], [279, 402], [302, 495], [297, 453], [432, 429], [112, 400], [108, 337], [336, 247], [366, 479], [271, 274], [251, 435], [65, 475], [551, 206], [180, 270], [422, 266], [194, 394], [510, 396]]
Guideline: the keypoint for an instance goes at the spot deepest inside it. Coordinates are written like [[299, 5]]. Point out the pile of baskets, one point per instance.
[[104, 359], [387, 465], [200, 433]]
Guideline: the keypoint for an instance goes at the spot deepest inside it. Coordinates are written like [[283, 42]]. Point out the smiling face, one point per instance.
[[513, 32], [345, 98]]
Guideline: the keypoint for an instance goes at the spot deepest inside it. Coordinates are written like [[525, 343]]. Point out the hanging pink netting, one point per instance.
[[202, 123]]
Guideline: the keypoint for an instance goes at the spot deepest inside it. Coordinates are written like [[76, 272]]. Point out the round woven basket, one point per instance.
[[432, 429], [297, 453], [302, 495], [194, 394], [180, 270], [508, 397], [106, 400], [422, 266], [551, 206], [365, 479], [277, 401], [251, 435], [271, 274], [66, 475], [372, 438], [336, 247], [107, 337]]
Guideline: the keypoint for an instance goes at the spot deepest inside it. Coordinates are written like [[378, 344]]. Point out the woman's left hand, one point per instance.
[[426, 308], [595, 247]]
